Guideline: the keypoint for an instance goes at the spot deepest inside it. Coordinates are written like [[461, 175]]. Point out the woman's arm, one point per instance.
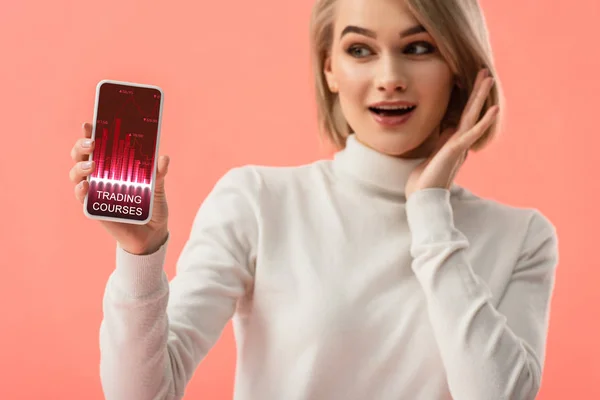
[[154, 334], [488, 352]]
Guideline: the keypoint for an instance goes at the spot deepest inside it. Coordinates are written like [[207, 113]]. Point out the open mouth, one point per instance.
[[391, 111]]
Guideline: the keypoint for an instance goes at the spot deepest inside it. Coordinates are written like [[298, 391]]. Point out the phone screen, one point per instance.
[[126, 134]]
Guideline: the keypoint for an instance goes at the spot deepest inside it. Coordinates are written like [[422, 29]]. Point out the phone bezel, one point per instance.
[[156, 151]]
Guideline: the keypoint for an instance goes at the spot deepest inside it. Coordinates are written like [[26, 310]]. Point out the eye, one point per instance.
[[413, 48], [358, 51]]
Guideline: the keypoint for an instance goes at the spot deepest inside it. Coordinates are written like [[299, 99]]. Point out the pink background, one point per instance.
[[238, 90]]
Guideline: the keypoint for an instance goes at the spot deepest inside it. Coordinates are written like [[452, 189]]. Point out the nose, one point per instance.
[[390, 77]]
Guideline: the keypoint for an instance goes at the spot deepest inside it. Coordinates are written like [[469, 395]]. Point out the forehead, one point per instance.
[[377, 15]]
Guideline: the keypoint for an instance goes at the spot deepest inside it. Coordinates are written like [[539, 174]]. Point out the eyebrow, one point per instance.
[[367, 32]]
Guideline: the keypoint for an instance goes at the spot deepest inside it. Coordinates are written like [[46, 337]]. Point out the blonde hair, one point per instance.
[[460, 31]]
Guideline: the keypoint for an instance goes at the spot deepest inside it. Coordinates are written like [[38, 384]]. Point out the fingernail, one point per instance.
[[80, 185], [86, 143], [86, 165], [486, 72]]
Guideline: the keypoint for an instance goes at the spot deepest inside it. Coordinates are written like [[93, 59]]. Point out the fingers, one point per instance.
[[80, 171], [87, 130], [162, 169], [444, 137], [85, 146], [81, 190], [80, 153], [471, 136], [483, 85], [82, 149], [481, 75]]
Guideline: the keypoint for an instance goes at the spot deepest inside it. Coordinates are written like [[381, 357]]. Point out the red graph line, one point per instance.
[[124, 163], [152, 114]]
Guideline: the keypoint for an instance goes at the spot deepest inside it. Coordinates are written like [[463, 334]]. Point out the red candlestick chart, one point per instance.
[[125, 162], [125, 141]]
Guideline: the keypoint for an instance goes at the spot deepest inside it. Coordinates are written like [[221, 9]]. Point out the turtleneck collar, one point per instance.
[[371, 168]]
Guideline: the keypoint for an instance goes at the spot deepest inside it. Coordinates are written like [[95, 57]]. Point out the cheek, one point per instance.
[[353, 79], [433, 81]]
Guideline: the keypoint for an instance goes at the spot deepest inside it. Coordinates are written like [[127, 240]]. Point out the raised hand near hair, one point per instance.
[[440, 169], [135, 239]]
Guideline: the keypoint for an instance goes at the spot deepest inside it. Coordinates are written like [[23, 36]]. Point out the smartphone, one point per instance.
[[126, 131]]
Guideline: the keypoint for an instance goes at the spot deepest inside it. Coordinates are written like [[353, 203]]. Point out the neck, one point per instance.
[[421, 152], [374, 169]]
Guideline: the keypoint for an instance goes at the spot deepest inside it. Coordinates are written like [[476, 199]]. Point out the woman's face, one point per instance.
[[381, 62]]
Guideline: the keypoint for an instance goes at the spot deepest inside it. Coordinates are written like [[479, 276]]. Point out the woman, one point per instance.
[[368, 276]]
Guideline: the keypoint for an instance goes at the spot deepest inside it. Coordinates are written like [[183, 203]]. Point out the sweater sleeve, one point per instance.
[[155, 333], [489, 352]]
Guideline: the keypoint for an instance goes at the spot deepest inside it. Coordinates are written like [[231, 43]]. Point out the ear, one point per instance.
[[329, 75]]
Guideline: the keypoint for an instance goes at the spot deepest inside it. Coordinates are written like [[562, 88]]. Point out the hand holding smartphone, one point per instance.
[[123, 186]]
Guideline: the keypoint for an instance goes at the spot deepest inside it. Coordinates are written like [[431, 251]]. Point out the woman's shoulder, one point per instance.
[[502, 215]]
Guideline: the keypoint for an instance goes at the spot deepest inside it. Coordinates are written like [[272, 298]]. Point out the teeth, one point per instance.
[[394, 107]]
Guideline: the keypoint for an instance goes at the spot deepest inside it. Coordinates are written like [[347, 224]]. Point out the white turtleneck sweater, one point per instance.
[[339, 288]]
